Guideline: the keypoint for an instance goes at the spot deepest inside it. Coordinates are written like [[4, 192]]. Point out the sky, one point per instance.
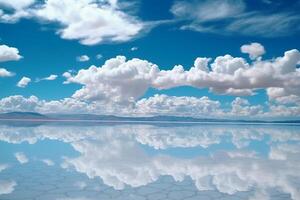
[[200, 58]]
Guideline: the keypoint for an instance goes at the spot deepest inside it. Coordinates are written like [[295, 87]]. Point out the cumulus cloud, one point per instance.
[[5, 73], [118, 87], [183, 106], [255, 50], [242, 107], [120, 80], [91, 22], [23, 82], [7, 186], [9, 53], [83, 58], [21, 157]]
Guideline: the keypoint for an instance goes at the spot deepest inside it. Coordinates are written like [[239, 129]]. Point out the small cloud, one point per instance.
[[7, 186], [255, 50], [9, 53], [21, 157], [5, 73], [99, 56], [134, 48], [23, 82], [48, 162], [52, 77], [83, 58]]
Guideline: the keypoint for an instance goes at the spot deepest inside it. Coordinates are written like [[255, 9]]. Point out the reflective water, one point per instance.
[[150, 162]]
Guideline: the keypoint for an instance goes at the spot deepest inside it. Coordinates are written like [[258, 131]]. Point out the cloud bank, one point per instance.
[[119, 86]]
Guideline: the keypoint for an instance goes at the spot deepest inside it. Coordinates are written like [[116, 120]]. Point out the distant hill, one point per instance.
[[22, 115], [111, 118]]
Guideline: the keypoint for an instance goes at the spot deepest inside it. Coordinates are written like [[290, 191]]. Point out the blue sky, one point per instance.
[[165, 33]]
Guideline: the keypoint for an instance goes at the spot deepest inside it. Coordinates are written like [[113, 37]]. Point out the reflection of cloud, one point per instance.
[[7, 186], [121, 162], [21, 157], [155, 136], [48, 162], [75, 198], [284, 151], [3, 167], [80, 184], [114, 154]]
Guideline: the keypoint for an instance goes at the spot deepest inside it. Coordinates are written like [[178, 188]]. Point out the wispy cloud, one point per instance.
[[233, 16], [51, 77]]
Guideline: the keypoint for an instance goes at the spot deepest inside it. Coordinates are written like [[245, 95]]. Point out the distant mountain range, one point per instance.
[[32, 116]]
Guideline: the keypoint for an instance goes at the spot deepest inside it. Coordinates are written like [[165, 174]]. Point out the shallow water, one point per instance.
[[151, 162]]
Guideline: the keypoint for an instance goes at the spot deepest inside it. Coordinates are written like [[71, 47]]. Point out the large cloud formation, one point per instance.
[[122, 80], [89, 21], [118, 86]]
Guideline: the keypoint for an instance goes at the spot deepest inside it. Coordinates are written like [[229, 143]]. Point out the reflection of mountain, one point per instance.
[[115, 154], [93, 117]]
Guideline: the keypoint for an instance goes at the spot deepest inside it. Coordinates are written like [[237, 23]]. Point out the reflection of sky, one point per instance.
[[257, 161]]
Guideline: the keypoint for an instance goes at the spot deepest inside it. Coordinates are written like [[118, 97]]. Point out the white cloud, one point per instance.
[[18, 103], [9, 53], [183, 106], [16, 4], [23, 82], [48, 162], [118, 87], [134, 48], [51, 77], [119, 80], [255, 50], [21, 157], [5, 73], [7, 186], [83, 58], [90, 22], [242, 107]]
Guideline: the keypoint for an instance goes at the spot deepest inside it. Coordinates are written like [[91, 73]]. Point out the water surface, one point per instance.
[[149, 162]]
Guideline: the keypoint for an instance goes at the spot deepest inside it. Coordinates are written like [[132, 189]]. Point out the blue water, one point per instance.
[[150, 162]]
